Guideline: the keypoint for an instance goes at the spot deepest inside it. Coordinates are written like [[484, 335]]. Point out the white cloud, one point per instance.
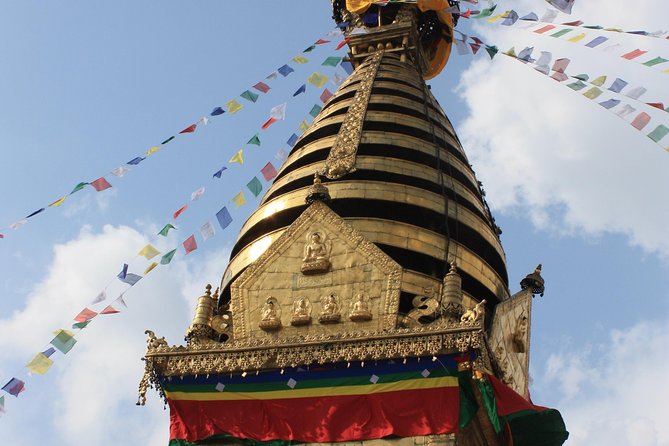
[[88, 397], [615, 393]]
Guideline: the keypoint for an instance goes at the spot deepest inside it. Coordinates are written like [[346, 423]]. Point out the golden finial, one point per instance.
[[318, 191]]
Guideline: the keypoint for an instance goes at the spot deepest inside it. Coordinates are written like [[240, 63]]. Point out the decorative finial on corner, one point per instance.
[[318, 192], [534, 281], [208, 290], [215, 296], [454, 266]]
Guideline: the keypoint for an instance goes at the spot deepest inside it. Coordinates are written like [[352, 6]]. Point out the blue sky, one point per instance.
[[86, 87]]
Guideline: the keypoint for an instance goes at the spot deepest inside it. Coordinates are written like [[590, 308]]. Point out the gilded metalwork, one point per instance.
[[316, 254], [331, 309], [270, 319], [301, 312], [342, 156], [423, 306], [360, 311], [475, 314]]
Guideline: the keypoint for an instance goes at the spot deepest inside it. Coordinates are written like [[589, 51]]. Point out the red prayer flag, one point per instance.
[[109, 310], [268, 171], [189, 129], [2, 236], [641, 120], [475, 47], [576, 23], [85, 315], [269, 122], [327, 94], [101, 184], [321, 41], [544, 29], [659, 105], [262, 87], [190, 244], [180, 211], [342, 43], [633, 54]]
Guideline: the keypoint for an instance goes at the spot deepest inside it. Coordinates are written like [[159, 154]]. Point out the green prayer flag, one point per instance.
[[656, 61], [593, 93], [492, 50], [582, 77], [80, 325], [166, 229], [78, 187], [315, 110], [64, 341], [311, 48], [167, 140], [660, 132], [167, 258], [578, 85], [487, 12], [561, 33], [255, 140], [331, 61], [249, 96], [255, 186]]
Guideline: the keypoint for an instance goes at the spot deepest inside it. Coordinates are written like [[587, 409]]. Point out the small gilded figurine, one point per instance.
[[270, 318], [360, 309], [301, 312], [330, 313], [316, 255]]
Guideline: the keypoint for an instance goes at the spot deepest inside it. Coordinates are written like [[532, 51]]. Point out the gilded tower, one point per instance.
[[367, 298]]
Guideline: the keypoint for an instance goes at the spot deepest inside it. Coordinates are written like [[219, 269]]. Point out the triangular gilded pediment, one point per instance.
[[320, 278]]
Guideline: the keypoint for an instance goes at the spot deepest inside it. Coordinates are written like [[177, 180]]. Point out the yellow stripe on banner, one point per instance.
[[367, 389]]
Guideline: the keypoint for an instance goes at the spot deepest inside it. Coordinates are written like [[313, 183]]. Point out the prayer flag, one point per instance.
[[633, 54], [331, 61], [338, 79], [611, 48], [262, 87], [660, 132], [35, 213], [18, 224], [285, 70], [347, 66], [315, 110], [64, 341], [79, 186], [609, 104], [207, 231], [582, 77], [511, 18], [255, 140], [120, 298], [544, 29], [281, 155], [57, 202], [237, 157], [148, 252], [267, 123], [152, 150], [120, 171], [526, 54], [234, 106], [100, 297], [593, 93], [85, 315], [304, 126], [167, 258], [599, 81], [562, 5], [300, 60], [300, 90], [131, 279], [491, 50], [641, 120], [636, 93], [217, 111], [255, 186], [80, 325], [239, 199], [150, 268], [40, 364], [273, 75], [577, 38], [292, 140], [269, 171], [219, 172], [101, 184], [197, 194], [543, 61], [461, 47], [659, 105], [511, 52], [278, 112], [326, 95], [321, 42], [124, 272], [2, 405], [166, 229], [561, 33], [561, 65], [135, 161], [14, 387], [625, 110], [49, 351], [548, 16], [190, 244], [531, 17], [190, 129], [224, 218], [311, 48], [250, 96], [179, 211], [617, 85], [655, 61], [317, 79], [341, 44], [487, 12], [167, 140], [109, 310], [578, 85]]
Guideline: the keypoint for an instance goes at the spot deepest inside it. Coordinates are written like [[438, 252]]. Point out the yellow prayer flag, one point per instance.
[[577, 38], [57, 202], [304, 126], [237, 158], [495, 18], [511, 52], [599, 81], [67, 332], [666, 71], [150, 268], [239, 199], [593, 93], [234, 106], [40, 364], [152, 150], [300, 59], [317, 79], [149, 252]]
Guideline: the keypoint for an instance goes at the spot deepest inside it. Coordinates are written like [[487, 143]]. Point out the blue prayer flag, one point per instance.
[[217, 111], [135, 161], [223, 217], [131, 279], [219, 172], [596, 41], [49, 351], [618, 85], [14, 387], [123, 272], [300, 90], [347, 66], [35, 213], [608, 104], [292, 140], [285, 70]]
